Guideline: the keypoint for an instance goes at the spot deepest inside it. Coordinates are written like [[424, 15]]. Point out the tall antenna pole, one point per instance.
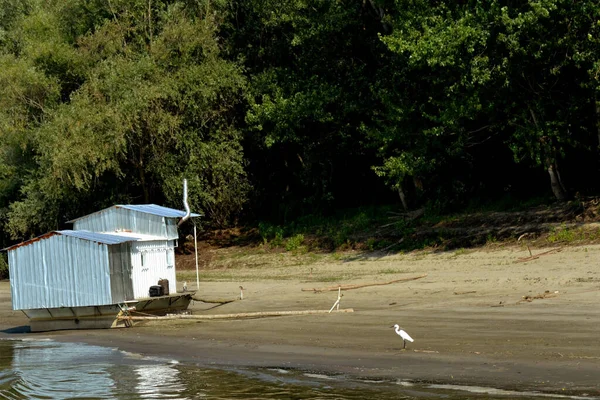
[[187, 216], [196, 250]]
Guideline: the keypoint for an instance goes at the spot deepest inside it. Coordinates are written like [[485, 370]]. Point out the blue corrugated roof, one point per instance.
[[156, 210], [148, 209], [104, 238]]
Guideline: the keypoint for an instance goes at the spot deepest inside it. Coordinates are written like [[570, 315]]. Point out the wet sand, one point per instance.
[[468, 317]]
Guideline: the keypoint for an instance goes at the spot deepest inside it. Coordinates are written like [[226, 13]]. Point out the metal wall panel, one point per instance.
[[60, 271], [149, 264], [117, 219]]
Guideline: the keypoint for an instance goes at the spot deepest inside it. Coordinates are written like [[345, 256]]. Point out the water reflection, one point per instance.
[[50, 370], [159, 382]]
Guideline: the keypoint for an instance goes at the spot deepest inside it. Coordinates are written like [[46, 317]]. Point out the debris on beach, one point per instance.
[[232, 316], [358, 286], [535, 257], [546, 295], [214, 301], [337, 302]]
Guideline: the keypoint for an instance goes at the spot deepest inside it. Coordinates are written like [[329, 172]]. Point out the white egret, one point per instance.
[[402, 333]]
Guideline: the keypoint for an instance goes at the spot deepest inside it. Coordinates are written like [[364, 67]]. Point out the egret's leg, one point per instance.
[[404, 342]]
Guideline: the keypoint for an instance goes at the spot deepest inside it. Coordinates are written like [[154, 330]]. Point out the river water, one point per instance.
[[44, 369]]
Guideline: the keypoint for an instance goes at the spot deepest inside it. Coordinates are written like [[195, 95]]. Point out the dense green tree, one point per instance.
[[144, 99], [474, 70], [312, 66], [292, 107]]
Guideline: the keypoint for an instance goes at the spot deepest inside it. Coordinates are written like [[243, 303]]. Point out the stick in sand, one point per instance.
[[535, 257], [337, 302], [521, 237], [350, 287]]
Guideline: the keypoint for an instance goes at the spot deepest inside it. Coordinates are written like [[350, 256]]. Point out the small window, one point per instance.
[[143, 259], [170, 261]]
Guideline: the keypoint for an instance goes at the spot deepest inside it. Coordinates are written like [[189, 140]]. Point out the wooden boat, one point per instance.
[[105, 316]]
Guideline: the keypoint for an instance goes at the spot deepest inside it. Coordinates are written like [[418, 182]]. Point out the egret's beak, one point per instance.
[[392, 326]]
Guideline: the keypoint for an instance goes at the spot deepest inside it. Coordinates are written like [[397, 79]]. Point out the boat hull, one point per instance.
[[105, 316]]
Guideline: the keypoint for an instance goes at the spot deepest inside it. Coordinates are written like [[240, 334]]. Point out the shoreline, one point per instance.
[[511, 375], [468, 318]]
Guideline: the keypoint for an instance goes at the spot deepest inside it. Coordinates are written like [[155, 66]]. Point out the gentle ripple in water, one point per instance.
[[52, 370]]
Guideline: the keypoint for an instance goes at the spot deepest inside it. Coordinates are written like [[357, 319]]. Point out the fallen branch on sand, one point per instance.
[[234, 316], [534, 257], [468, 292], [214, 301], [358, 286]]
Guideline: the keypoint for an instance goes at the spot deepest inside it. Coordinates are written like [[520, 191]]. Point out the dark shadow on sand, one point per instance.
[[17, 330]]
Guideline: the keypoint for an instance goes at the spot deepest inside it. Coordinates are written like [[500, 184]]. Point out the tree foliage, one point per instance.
[[120, 110], [516, 73], [278, 109]]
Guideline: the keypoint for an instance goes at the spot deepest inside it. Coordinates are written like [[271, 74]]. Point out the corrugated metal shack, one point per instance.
[[70, 269], [112, 256]]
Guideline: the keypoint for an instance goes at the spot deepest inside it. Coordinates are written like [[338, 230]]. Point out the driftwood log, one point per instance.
[[233, 316], [467, 292], [214, 301], [536, 256], [358, 286]]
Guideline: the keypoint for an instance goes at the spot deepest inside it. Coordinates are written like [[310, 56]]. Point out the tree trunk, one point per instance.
[[418, 184], [560, 179], [555, 183], [402, 197], [142, 175], [144, 186]]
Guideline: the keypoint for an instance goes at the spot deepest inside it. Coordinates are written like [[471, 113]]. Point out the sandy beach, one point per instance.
[[478, 318]]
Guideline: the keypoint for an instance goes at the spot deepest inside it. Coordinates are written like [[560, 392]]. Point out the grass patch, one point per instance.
[[563, 234], [460, 252], [391, 271], [491, 239], [389, 229], [340, 231], [3, 267], [295, 242], [332, 278]]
